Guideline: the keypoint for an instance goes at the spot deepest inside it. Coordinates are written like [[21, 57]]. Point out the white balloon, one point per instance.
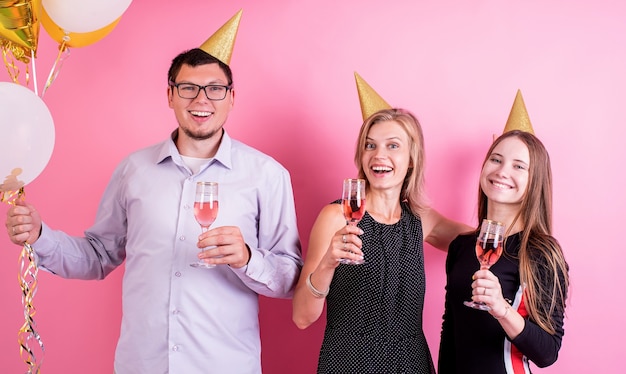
[[27, 137], [82, 16]]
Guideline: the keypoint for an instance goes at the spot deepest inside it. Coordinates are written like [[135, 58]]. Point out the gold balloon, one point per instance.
[[19, 26], [74, 39]]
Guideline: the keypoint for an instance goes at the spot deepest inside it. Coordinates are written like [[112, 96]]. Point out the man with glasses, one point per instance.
[[178, 318]]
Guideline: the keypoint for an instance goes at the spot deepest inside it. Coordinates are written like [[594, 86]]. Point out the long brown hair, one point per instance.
[[413, 186], [543, 269]]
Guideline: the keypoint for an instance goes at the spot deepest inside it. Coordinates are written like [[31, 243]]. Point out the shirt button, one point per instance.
[[176, 312], [182, 238], [175, 348], [178, 274]]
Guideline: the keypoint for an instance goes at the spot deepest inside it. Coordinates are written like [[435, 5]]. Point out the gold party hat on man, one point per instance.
[[220, 44], [518, 118], [371, 102]]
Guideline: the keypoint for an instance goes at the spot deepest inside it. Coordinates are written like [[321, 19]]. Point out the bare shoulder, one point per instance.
[[329, 221], [331, 215]]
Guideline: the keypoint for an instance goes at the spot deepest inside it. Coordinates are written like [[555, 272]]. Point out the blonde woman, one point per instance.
[[374, 310]]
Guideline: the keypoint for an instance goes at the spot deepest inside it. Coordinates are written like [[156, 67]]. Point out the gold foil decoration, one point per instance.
[[19, 27], [220, 44], [27, 337], [518, 117], [19, 34], [371, 102], [11, 53]]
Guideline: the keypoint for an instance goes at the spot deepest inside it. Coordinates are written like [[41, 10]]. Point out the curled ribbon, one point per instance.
[[27, 334], [10, 54], [27, 278]]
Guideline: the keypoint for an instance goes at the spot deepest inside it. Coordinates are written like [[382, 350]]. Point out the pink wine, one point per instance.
[[205, 212], [488, 252], [353, 209]]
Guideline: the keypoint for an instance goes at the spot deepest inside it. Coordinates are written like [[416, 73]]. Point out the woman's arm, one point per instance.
[[439, 231], [326, 247], [537, 344], [540, 346]]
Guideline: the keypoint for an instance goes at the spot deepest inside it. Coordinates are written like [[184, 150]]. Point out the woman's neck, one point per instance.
[[384, 207], [507, 214]]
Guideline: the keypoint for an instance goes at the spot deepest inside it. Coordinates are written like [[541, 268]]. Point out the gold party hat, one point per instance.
[[518, 118], [371, 102], [220, 44]]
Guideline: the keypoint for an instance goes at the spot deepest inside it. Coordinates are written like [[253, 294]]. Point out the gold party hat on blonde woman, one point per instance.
[[371, 102], [518, 118], [220, 44]]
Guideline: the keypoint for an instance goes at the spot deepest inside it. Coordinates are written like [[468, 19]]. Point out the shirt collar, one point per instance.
[[223, 154]]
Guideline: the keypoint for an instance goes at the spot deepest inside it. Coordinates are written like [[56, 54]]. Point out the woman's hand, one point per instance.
[[345, 244], [486, 288]]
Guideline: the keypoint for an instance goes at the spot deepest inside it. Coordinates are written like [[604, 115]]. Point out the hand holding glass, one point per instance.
[[205, 208], [489, 247], [353, 201]]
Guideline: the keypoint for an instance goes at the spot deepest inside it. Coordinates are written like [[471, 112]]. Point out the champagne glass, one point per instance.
[[489, 246], [205, 208], [353, 202]]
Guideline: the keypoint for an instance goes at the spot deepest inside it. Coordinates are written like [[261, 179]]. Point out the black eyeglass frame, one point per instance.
[[201, 88]]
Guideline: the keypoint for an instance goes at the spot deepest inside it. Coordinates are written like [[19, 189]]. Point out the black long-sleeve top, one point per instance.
[[472, 341]]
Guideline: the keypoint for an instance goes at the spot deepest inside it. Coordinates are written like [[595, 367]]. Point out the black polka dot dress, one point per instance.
[[374, 310]]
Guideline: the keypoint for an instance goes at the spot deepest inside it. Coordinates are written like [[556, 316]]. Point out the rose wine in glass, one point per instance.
[[205, 209], [353, 203], [489, 246]]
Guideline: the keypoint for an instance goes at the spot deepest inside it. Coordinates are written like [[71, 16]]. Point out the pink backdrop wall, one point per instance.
[[455, 64]]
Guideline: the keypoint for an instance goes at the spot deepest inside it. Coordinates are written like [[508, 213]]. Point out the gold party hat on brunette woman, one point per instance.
[[220, 44], [371, 102], [518, 118]]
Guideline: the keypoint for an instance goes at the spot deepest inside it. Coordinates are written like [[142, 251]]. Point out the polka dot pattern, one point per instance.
[[374, 310]]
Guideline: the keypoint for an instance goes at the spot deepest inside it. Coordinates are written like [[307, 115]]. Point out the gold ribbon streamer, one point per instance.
[[27, 278], [10, 197], [11, 53]]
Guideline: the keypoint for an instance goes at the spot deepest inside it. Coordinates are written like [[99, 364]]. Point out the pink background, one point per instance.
[[456, 64]]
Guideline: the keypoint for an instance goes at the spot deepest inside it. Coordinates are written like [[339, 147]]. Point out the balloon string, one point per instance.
[[32, 60], [64, 52], [27, 278]]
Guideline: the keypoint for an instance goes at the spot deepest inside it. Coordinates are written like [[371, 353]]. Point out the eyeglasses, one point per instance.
[[213, 92]]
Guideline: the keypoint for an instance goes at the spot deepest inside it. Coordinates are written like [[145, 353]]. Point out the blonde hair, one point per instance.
[[413, 187]]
